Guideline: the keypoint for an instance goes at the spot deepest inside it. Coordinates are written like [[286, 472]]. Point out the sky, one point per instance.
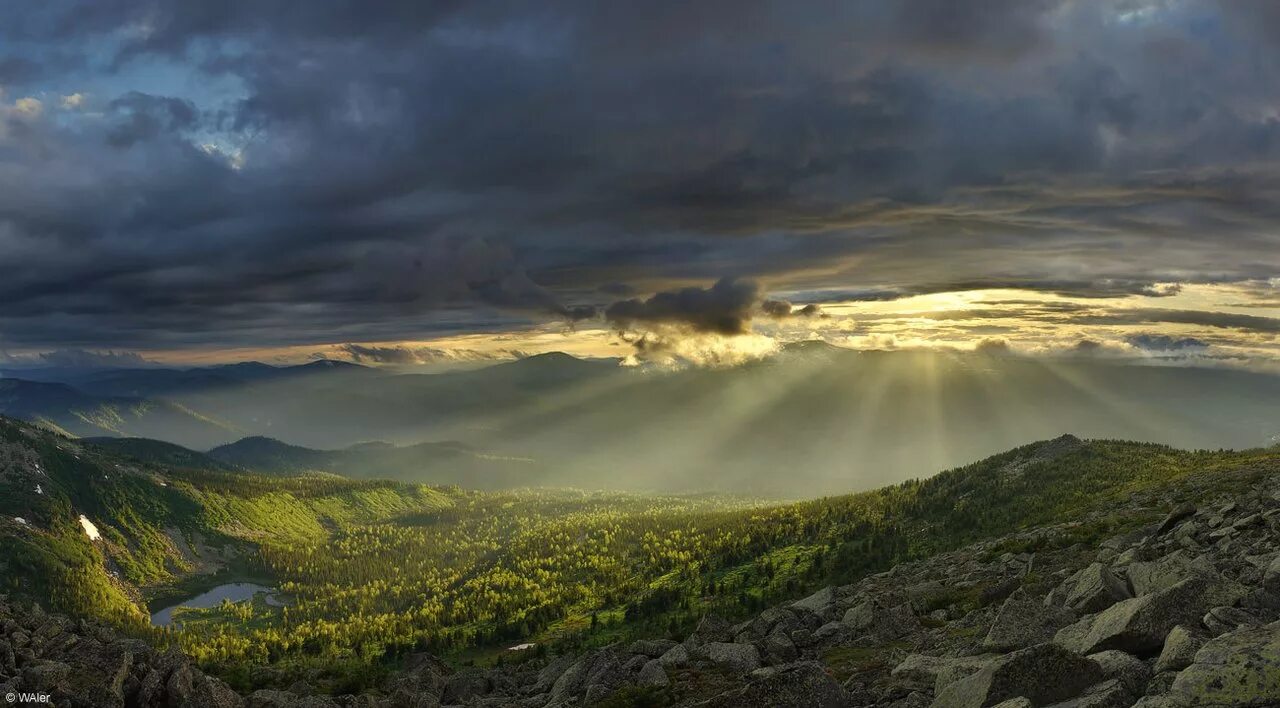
[[412, 182]]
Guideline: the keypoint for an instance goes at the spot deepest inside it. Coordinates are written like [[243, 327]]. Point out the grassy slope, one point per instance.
[[139, 508]]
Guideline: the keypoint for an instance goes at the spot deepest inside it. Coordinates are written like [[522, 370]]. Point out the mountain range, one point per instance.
[[840, 418]]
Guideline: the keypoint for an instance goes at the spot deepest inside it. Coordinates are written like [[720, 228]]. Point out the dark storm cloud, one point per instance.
[[1165, 343], [723, 308], [142, 117], [780, 309], [256, 172], [1224, 320]]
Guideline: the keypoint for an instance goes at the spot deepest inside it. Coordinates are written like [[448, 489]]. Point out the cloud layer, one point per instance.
[[230, 173]]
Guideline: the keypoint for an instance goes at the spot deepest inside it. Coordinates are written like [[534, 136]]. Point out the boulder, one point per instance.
[[550, 673], [1045, 674], [804, 683], [1108, 694], [921, 671], [466, 685], [652, 648], [422, 674], [1157, 701], [712, 628], [1140, 625], [1153, 576], [1271, 576], [1241, 668], [870, 617], [832, 633], [268, 698], [1179, 513], [595, 671], [926, 597], [738, 658], [677, 656], [652, 674], [1126, 668], [1221, 620], [779, 647], [1180, 648], [1096, 588], [1023, 621], [766, 621], [818, 602]]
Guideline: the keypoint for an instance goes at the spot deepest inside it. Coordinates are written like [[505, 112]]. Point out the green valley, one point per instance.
[[373, 570]]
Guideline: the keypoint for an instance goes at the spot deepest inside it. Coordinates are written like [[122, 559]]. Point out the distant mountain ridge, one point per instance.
[[81, 414], [835, 418], [440, 463]]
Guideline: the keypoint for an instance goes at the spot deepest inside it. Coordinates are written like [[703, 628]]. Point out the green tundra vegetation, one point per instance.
[[371, 570]]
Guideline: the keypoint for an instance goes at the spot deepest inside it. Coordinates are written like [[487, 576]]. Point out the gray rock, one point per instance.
[[766, 621], [871, 617], [652, 648], [1241, 668], [1109, 694], [1126, 668], [1161, 682], [268, 698], [1180, 648], [832, 633], [1161, 574], [739, 658], [466, 685], [548, 675], [802, 638], [1179, 513], [924, 597], [779, 647], [804, 683], [1140, 625], [1018, 702], [595, 671], [1096, 589], [1158, 701], [1271, 577], [1248, 521], [921, 671], [817, 602], [915, 699], [1221, 620], [1045, 674], [713, 628], [652, 674], [677, 656], [1023, 621]]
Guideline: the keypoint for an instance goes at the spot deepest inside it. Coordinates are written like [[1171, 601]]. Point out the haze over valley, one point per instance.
[[842, 420]]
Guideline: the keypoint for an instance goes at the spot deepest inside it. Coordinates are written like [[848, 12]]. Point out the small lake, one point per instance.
[[235, 592]]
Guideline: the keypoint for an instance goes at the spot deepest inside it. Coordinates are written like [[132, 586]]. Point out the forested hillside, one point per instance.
[[374, 569]]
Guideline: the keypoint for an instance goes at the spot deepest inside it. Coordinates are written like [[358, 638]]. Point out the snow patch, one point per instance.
[[90, 530], [522, 647], [21, 520], [39, 489]]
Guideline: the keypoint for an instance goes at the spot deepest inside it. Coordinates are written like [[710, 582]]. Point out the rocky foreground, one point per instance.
[[1181, 611]]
